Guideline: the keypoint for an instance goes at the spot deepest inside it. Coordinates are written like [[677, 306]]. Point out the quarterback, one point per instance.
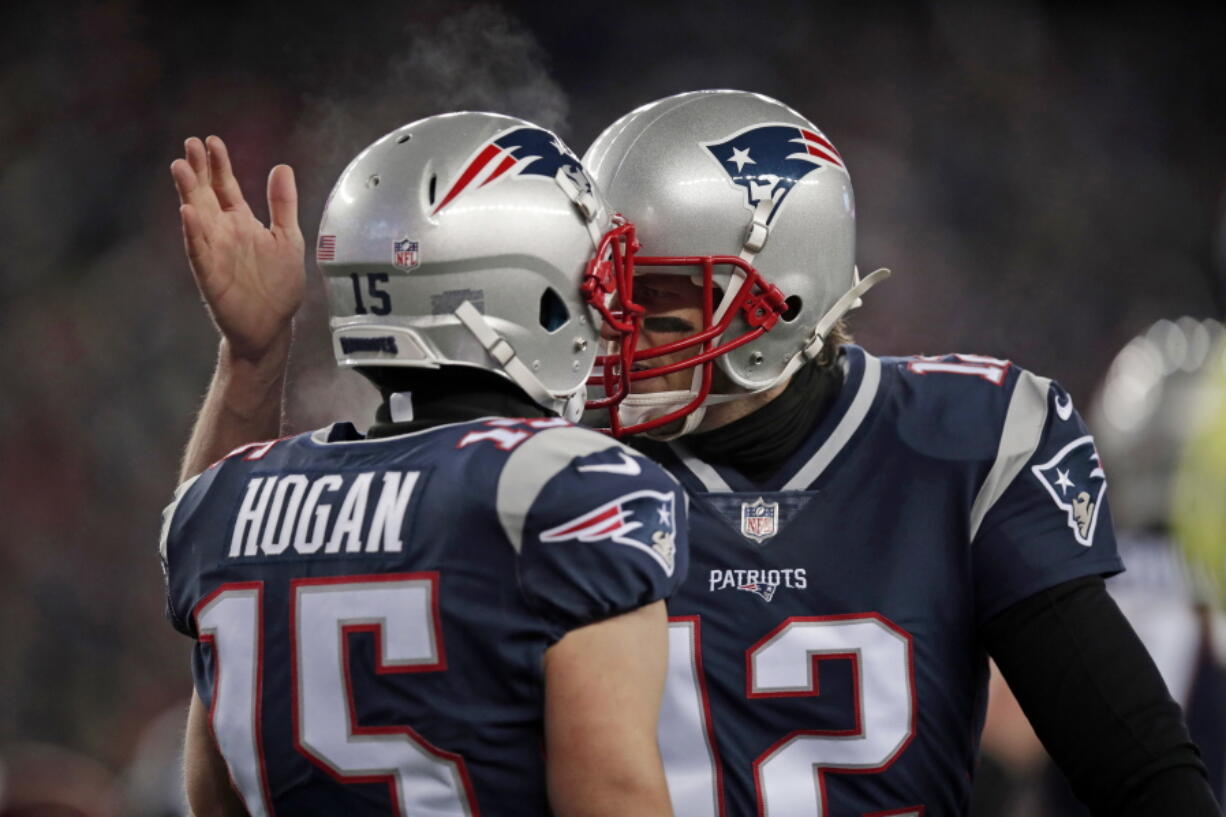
[[942, 508], [460, 612]]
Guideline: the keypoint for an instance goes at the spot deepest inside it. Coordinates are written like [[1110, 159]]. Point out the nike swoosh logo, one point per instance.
[[627, 467], [1064, 410]]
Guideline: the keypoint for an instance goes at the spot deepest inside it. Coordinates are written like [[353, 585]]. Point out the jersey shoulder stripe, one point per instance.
[[982, 411], [1019, 439]]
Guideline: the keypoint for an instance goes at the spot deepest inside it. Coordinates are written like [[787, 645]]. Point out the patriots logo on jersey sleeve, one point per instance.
[[642, 520], [523, 153], [1076, 481], [766, 161]]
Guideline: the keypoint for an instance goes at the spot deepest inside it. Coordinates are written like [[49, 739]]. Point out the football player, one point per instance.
[[459, 612], [868, 530]]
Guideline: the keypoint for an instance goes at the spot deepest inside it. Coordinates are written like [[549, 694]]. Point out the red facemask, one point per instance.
[[759, 302]]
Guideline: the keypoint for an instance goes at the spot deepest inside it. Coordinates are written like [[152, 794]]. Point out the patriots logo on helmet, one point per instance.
[[517, 153], [641, 519], [762, 590], [1076, 482], [767, 161]]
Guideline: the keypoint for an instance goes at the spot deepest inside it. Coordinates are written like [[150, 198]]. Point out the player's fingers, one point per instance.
[[197, 157], [229, 195], [200, 194], [184, 179], [283, 201], [194, 241]]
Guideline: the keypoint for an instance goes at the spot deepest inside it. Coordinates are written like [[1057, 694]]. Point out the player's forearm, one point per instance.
[[243, 405], [206, 780], [1098, 703], [606, 792], [603, 686]]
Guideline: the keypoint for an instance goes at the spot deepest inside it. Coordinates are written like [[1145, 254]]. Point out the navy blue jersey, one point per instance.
[[825, 656], [371, 616]]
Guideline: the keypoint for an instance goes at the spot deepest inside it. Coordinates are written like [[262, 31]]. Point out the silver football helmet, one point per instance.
[[466, 240], [1146, 409], [752, 201]]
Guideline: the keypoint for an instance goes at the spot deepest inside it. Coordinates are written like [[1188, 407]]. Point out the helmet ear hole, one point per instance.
[[793, 304], [430, 192], [554, 314]]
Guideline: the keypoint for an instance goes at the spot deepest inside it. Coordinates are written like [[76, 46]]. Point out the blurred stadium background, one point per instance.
[[1045, 179]]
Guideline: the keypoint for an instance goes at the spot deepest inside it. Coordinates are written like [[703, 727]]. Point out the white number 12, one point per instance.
[[790, 775]]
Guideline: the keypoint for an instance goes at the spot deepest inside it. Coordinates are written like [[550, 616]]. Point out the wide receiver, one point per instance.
[[866, 530], [459, 613]]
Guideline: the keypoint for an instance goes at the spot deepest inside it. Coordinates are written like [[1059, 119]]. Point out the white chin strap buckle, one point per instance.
[[758, 230]]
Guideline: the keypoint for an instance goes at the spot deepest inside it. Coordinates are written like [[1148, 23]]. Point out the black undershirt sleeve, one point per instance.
[[1098, 704]]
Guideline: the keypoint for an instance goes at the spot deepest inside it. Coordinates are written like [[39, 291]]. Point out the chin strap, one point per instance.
[[634, 414], [849, 301], [641, 408], [579, 191], [496, 346]]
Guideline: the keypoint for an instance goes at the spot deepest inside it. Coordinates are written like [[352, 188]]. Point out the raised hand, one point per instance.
[[251, 276]]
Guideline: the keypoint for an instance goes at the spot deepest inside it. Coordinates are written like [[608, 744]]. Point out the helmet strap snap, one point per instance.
[[584, 200], [758, 230]]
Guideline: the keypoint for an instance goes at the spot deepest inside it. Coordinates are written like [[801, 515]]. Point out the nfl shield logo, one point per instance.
[[404, 254], [759, 519]]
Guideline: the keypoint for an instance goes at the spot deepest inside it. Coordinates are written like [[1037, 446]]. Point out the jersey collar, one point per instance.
[[861, 381], [345, 433]]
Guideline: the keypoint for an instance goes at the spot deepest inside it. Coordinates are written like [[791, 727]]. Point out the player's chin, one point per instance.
[[668, 382], [669, 430], [673, 381]]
